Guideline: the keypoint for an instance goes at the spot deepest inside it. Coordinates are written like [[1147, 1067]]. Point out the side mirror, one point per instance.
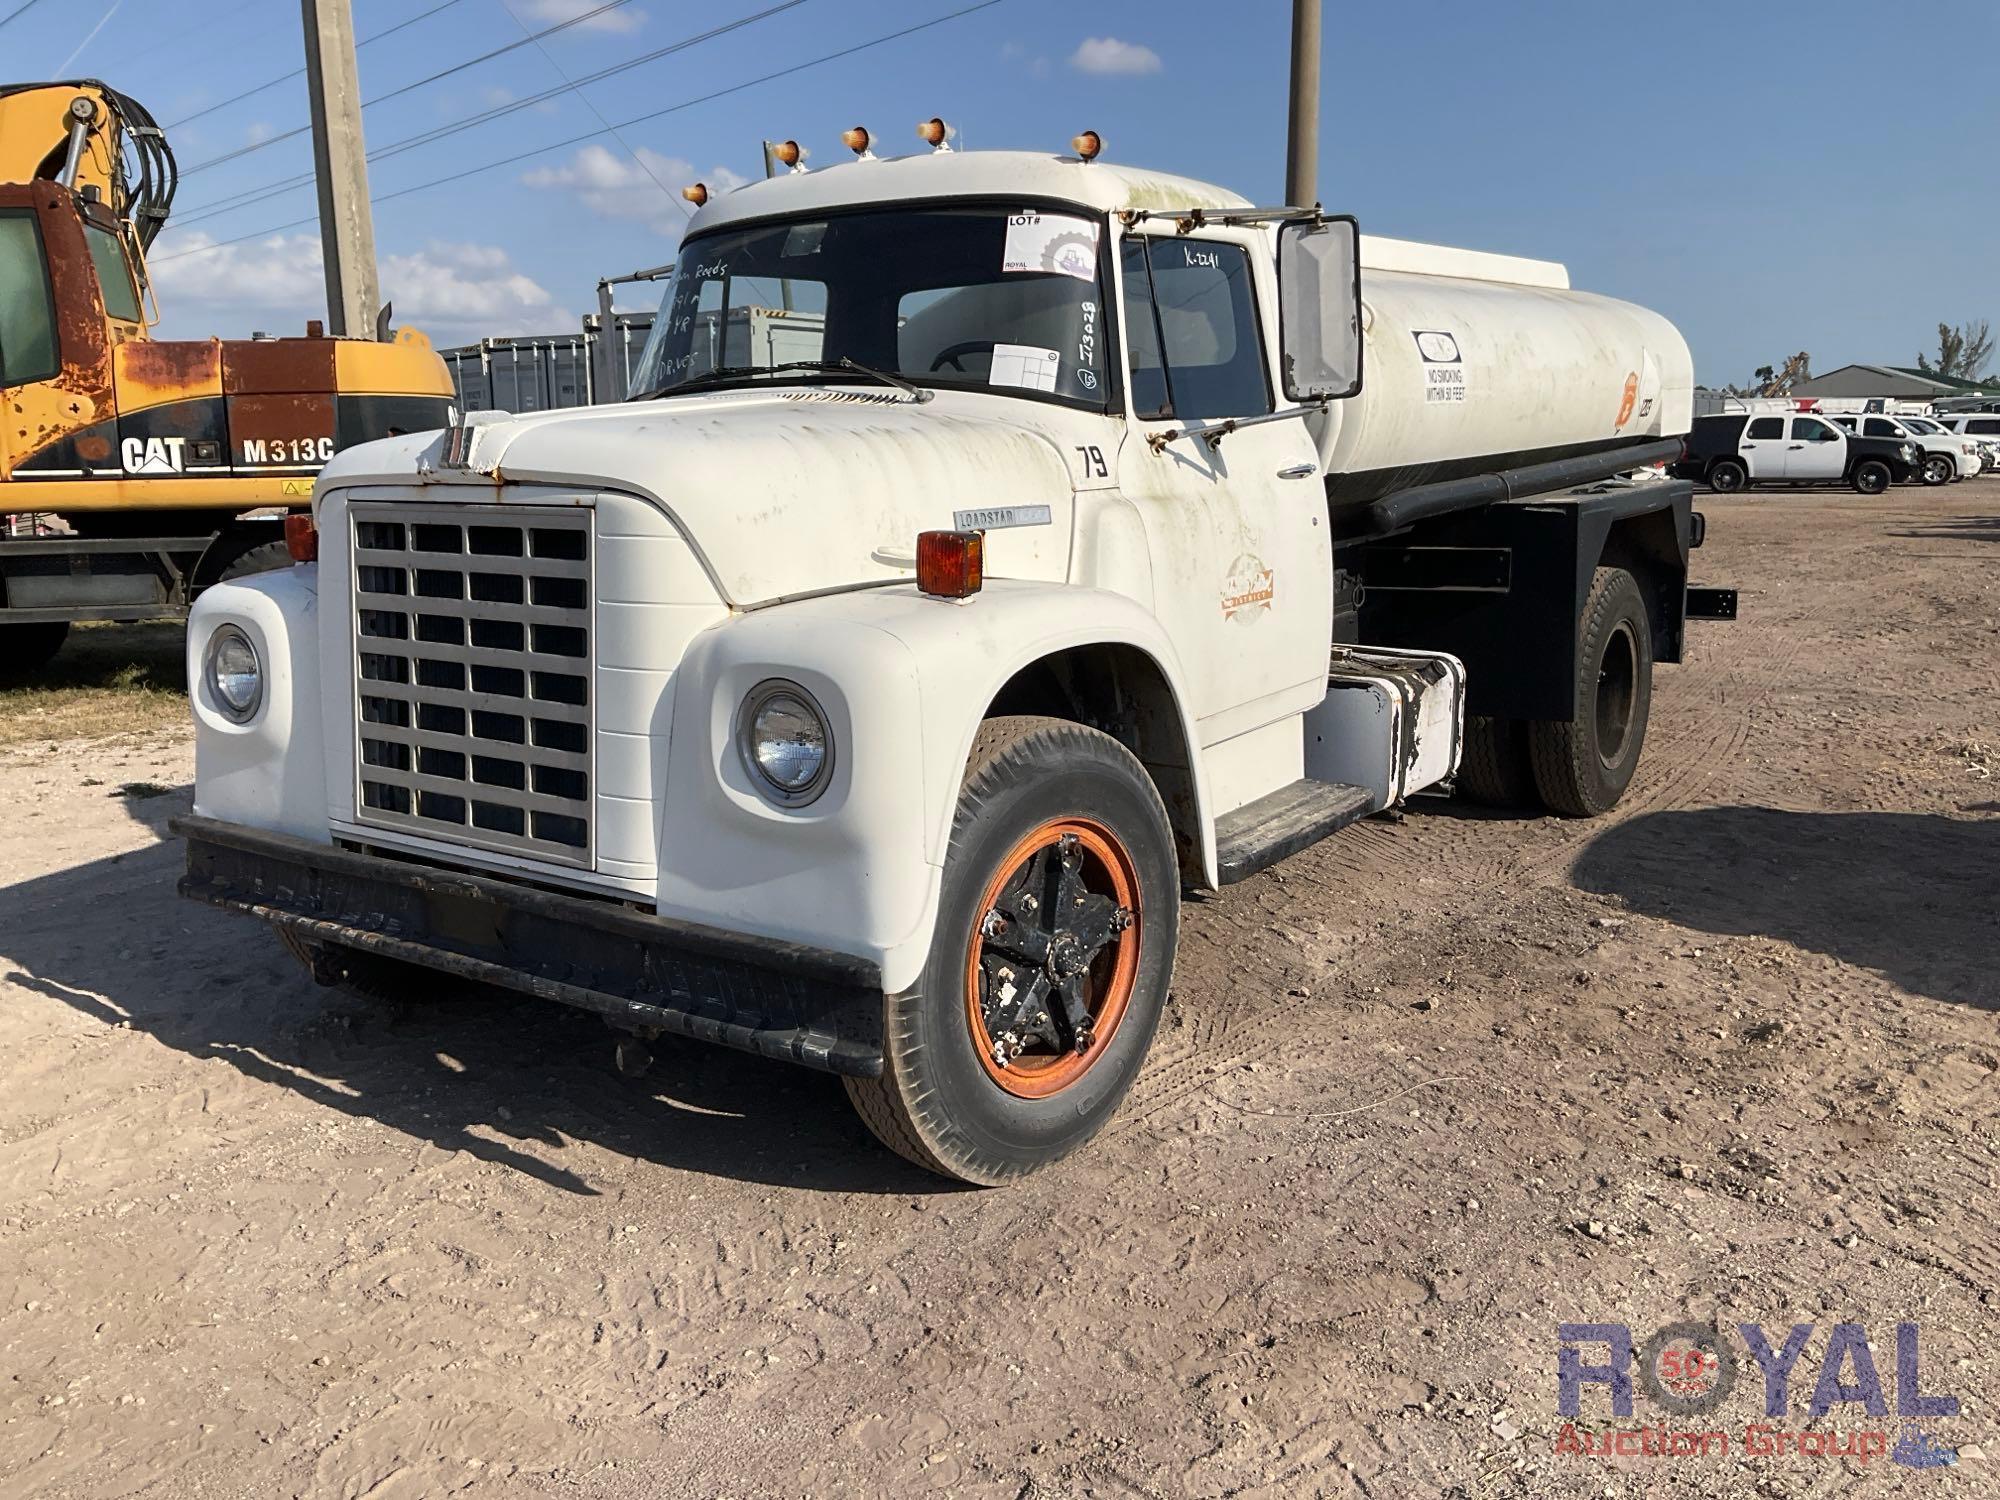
[[1319, 308]]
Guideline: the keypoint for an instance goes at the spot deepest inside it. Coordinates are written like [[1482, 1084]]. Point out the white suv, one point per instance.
[[1983, 427], [1947, 455]]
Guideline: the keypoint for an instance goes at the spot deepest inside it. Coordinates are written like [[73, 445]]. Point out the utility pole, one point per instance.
[[1302, 141], [340, 163]]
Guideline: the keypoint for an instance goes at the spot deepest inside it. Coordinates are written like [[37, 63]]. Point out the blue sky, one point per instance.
[[1772, 178]]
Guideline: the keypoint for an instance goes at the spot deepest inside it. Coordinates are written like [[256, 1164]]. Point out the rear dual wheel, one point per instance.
[[1050, 962], [26, 649]]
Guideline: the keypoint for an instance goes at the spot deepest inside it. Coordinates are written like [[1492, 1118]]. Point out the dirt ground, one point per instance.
[[1424, 1093]]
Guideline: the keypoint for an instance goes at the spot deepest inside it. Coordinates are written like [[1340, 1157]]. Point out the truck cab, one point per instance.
[[995, 546]]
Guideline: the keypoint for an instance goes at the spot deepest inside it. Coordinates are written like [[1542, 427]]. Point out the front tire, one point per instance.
[[1939, 470], [1049, 964], [1871, 476], [1583, 766]]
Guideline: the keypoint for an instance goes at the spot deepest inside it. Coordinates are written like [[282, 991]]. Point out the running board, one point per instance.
[[1278, 825]]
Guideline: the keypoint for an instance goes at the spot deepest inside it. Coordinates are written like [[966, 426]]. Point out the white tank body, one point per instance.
[[1475, 362]]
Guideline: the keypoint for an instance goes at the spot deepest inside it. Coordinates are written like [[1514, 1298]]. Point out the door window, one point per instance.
[[1767, 427], [1811, 430], [1984, 425], [1876, 427], [1204, 359], [27, 310]]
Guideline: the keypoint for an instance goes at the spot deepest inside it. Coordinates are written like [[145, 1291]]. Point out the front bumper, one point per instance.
[[780, 1000]]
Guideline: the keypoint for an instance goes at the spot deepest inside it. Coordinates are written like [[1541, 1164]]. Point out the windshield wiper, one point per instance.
[[741, 372]]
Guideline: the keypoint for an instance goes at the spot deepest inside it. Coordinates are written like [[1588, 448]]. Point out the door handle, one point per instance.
[[1795, 447], [1299, 471]]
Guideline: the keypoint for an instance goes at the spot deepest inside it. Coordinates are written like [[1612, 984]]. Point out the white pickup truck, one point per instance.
[[867, 697]]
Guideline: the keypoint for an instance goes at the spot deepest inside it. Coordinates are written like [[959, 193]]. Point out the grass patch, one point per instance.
[[107, 679]]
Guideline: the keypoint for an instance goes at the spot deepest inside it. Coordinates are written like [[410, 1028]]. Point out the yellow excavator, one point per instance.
[[135, 471]]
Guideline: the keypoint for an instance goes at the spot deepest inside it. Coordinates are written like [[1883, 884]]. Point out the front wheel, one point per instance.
[[1939, 469], [1049, 964], [1871, 476]]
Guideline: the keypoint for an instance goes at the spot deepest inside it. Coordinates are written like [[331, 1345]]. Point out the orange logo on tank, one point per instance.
[[1631, 399]]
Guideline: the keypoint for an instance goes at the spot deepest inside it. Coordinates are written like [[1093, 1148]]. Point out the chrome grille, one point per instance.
[[472, 657]]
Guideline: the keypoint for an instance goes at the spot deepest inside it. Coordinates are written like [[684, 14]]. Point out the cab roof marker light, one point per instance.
[[1087, 145], [697, 195], [790, 154], [936, 134], [858, 140]]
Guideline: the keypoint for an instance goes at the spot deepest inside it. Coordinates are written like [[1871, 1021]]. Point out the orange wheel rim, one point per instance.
[[1053, 957]]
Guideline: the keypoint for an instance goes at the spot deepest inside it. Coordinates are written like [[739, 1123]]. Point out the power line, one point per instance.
[[471, 62], [19, 11], [263, 191], [271, 83], [570, 84], [494, 166]]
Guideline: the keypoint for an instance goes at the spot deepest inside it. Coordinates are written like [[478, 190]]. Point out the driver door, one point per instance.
[[1814, 450], [1763, 447], [1235, 521]]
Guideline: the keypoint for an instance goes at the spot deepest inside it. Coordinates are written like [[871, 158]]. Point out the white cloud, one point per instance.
[[1106, 54], [613, 185], [624, 20], [454, 292]]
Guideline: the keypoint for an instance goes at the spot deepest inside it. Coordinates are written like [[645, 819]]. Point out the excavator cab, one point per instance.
[[185, 452]]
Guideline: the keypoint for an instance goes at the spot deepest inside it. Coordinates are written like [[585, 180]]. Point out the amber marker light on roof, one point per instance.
[[697, 195], [858, 140], [1087, 145], [936, 134], [790, 154]]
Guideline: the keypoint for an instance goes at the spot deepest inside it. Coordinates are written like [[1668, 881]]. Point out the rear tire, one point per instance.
[[1939, 470], [982, 1080], [1582, 767], [1727, 476], [26, 649], [1871, 476], [265, 557], [1494, 771]]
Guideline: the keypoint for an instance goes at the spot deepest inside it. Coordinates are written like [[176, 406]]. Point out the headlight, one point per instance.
[[783, 738], [235, 676]]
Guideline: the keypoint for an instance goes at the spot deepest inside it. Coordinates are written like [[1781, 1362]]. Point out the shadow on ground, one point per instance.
[[506, 1078], [1959, 528], [1912, 896]]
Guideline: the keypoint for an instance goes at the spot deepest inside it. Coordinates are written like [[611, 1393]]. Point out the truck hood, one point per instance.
[[788, 492]]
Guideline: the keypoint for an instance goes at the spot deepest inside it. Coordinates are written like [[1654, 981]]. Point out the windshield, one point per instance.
[[1918, 424], [985, 299]]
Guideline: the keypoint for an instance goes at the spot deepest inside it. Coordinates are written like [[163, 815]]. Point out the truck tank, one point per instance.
[[1474, 363]]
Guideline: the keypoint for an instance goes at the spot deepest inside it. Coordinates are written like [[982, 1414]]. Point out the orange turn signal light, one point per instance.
[[302, 537], [951, 564]]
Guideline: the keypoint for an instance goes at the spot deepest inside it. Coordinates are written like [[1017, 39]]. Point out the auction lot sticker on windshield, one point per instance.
[[1050, 242], [1025, 365]]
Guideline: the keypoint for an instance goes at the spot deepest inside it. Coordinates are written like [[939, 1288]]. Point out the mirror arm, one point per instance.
[[1187, 220], [1214, 432]]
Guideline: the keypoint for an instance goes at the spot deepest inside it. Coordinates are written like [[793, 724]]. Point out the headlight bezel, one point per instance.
[[226, 634], [761, 697]]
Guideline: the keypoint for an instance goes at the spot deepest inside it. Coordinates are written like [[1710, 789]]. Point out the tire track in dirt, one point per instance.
[[1698, 745]]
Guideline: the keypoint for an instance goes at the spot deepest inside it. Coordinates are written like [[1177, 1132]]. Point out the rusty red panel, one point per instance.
[[293, 366], [169, 369]]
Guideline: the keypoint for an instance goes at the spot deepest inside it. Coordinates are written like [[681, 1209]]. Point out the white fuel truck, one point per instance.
[[869, 705]]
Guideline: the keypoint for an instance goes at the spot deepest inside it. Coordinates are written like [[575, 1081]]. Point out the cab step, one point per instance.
[[1259, 834]]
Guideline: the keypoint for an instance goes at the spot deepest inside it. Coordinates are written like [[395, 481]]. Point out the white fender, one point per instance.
[[859, 870]]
